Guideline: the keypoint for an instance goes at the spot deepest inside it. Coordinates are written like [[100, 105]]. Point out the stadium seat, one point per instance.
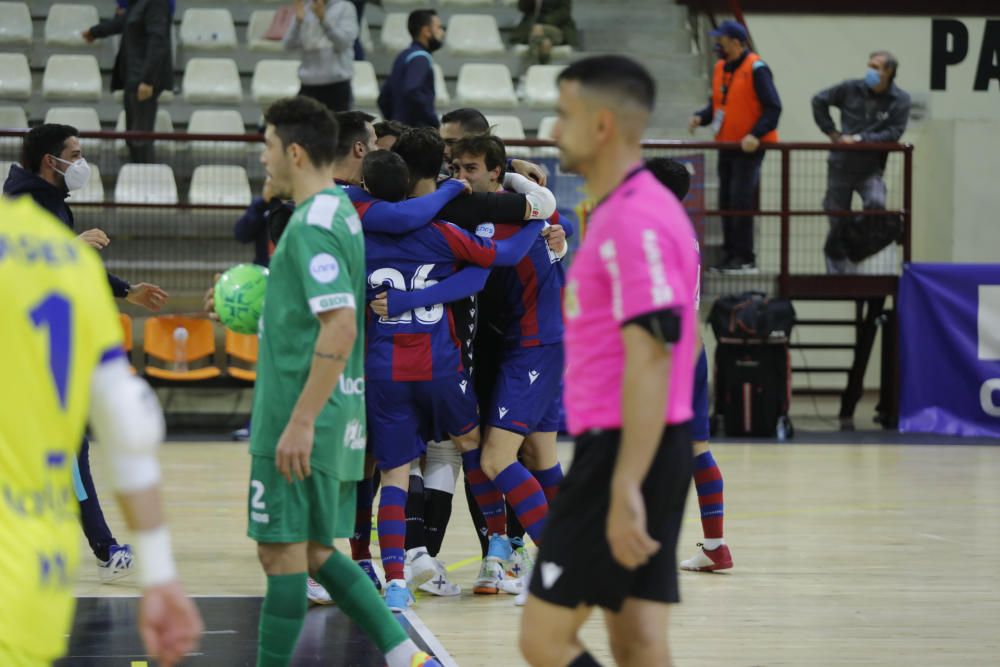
[[208, 29], [15, 77], [65, 24], [545, 129], [366, 36], [72, 78], [162, 351], [474, 35], [364, 84], [93, 191], [220, 184], [467, 3], [212, 81], [127, 340], [260, 21], [84, 119], [15, 23], [487, 86], [241, 348], [506, 127], [146, 184], [559, 53], [442, 97], [540, 89], [274, 79], [217, 121], [13, 118], [395, 37], [163, 124]]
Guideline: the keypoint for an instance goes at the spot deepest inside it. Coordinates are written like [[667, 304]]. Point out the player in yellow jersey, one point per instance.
[[63, 364]]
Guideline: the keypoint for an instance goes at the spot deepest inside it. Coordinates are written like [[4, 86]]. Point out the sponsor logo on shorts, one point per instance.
[[550, 574], [486, 230], [260, 517], [352, 386], [503, 412], [463, 384], [532, 376], [354, 435], [324, 268]]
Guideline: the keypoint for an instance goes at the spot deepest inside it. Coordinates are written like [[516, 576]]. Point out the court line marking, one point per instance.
[[436, 647]]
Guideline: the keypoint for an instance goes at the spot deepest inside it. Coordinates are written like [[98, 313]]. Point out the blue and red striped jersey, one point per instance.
[[524, 302]]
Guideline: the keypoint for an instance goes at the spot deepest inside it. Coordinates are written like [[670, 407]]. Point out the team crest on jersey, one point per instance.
[[486, 230], [324, 268], [571, 303]]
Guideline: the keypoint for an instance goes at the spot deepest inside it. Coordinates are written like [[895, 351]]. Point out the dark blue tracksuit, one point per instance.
[[408, 94], [53, 199]]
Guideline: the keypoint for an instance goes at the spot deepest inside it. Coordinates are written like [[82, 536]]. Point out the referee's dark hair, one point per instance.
[[672, 174], [46, 139], [472, 121], [418, 19], [422, 148], [385, 176], [304, 121], [620, 77], [353, 128]]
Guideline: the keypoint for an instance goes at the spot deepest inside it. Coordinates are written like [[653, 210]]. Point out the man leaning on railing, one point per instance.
[[872, 110]]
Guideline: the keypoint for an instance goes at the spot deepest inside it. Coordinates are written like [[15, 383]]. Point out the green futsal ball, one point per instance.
[[239, 297]]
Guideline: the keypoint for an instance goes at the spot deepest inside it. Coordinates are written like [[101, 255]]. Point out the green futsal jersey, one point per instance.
[[319, 265]]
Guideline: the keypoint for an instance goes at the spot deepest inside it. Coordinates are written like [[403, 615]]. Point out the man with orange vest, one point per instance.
[[744, 108]]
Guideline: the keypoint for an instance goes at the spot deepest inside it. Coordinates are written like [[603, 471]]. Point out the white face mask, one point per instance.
[[77, 173]]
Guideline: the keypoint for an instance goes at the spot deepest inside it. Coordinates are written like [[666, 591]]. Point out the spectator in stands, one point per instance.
[[252, 226], [408, 94], [744, 108], [325, 32], [386, 134], [872, 109], [143, 67], [355, 140], [122, 5], [546, 23], [359, 9]]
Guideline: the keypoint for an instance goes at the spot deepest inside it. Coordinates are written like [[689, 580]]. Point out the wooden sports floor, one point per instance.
[[845, 554]]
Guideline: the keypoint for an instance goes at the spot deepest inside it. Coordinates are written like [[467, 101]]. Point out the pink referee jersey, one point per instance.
[[636, 258]]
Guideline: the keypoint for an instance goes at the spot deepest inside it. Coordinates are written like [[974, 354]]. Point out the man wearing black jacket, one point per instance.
[[144, 65]]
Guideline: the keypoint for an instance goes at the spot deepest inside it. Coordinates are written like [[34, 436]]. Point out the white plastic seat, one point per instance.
[[15, 23], [217, 121], [13, 118], [220, 184], [15, 77], [260, 22], [546, 126], [212, 81], [468, 3], [559, 53], [146, 184], [65, 24], [84, 119], [487, 86], [506, 127], [274, 79], [442, 97], [395, 37], [163, 123], [540, 88], [208, 29], [72, 78], [364, 84], [474, 35], [93, 191]]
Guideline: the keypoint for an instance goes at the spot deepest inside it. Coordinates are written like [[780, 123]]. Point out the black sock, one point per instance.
[[514, 528], [415, 514], [478, 520], [584, 660], [437, 514]]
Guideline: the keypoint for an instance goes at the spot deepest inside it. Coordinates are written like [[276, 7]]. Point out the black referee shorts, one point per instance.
[[574, 564]]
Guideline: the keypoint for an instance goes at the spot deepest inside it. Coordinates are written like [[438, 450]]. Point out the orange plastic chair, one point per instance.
[[199, 350], [241, 348], [126, 323]]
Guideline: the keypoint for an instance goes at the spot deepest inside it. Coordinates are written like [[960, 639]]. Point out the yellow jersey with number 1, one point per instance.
[[59, 322]]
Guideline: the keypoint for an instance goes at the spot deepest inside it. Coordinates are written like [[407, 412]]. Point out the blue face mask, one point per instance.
[[872, 77]]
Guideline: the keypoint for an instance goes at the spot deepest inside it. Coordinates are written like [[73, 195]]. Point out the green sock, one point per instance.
[[353, 592], [281, 618]]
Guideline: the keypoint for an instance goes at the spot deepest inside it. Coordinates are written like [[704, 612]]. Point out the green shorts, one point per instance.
[[316, 509]]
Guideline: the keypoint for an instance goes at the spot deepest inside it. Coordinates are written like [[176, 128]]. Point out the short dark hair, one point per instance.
[[385, 175], [418, 19], [890, 61], [483, 144], [672, 174], [618, 75], [422, 148], [304, 121], [352, 125], [472, 121], [46, 139], [389, 128]]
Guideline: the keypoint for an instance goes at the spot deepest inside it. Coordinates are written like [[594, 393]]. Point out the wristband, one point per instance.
[[154, 557]]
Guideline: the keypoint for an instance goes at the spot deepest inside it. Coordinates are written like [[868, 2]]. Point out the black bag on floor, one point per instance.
[[753, 387], [751, 315]]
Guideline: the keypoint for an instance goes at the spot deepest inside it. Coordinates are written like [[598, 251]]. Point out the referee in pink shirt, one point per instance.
[[630, 340]]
